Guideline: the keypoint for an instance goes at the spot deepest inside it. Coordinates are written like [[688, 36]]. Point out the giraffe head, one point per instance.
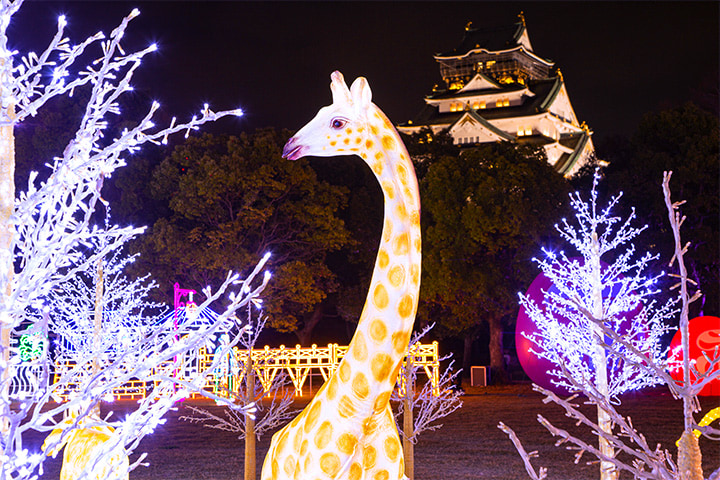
[[338, 129], [55, 441]]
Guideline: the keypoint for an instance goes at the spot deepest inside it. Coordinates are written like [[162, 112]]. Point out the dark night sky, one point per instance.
[[273, 59]]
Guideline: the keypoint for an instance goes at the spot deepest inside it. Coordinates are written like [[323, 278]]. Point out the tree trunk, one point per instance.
[[607, 469], [7, 232], [689, 459], [497, 361], [249, 420], [97, 325], [467, 352], [408, 421], [305, 334]]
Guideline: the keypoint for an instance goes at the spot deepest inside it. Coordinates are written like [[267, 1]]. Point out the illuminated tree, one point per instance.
[[47, 239], [253, 410], [99, 313], [592, 298], [632, 351], [421, 408]]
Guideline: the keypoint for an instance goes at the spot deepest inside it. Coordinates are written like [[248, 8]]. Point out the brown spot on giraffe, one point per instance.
[[380, 296], [344, 371], [312, 417], [381, 475], [323, 435], [359, 350], [380, 365], [378, 331], [401, 244], [388, 189], [360, 386], [330, 464], [369, 457], [383, 259], [346, 443], [391, 448], [396, 276], [388, 142], [406, 306], [381, 402]]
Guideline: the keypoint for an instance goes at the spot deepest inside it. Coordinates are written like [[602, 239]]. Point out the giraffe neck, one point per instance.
[[381, 339]]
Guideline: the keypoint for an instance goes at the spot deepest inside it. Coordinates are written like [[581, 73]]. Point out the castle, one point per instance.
[[497, 89]]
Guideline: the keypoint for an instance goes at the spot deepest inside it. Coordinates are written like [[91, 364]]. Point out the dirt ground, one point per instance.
[[468, 446]]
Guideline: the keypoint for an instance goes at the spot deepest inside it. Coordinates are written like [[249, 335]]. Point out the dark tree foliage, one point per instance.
[[363, 217], [232, 199], [486, 213], [685, 140]]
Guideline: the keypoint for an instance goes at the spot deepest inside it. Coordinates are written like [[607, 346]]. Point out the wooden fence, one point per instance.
[[298, 363]]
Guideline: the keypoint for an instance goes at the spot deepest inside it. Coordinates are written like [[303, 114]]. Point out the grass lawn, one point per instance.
[[469, 446]]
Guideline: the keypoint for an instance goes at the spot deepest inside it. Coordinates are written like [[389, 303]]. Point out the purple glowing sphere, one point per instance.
[[538, 369]]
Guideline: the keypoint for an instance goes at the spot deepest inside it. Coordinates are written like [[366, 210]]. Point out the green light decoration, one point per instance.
[[32, 346]]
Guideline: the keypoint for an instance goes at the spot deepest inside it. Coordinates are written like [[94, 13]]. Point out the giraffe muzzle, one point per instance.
[[291, 150]]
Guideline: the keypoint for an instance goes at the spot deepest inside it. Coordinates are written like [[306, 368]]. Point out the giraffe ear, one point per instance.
[[361, 93], [340, 92]]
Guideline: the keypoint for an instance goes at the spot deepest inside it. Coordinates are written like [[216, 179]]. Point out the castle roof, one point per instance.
[[488, 38], [576, 142], [497, 89], [544, 91]]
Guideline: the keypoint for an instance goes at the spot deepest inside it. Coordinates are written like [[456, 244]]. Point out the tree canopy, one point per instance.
[[485, 212], [230, 200], [685, 140]]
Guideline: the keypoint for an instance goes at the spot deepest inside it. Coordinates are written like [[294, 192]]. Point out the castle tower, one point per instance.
[[495, 88]]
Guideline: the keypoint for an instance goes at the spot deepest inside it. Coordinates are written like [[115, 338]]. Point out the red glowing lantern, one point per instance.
[[704, 336]]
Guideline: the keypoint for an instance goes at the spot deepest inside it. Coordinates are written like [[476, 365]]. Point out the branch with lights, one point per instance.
[[635, 349], [48, 239]]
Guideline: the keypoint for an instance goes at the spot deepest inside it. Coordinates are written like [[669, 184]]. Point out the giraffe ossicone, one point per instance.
[[348, 431]]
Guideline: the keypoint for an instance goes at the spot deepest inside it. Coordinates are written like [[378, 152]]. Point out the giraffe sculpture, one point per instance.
[[348, 430], [82, 447]]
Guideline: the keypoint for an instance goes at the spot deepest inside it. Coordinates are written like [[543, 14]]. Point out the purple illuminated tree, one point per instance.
[[48, 238], [645, 363], [593, 299], [252, 410], [421, 407]]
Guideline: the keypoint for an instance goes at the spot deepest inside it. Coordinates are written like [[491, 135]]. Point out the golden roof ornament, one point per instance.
[[560, 75], [468, 27], [521, 16]]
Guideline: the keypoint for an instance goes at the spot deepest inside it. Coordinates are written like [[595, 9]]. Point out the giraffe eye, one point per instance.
[[338, 123]]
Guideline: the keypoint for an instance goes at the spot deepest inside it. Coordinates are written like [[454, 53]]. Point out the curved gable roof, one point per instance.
[[472, 116]]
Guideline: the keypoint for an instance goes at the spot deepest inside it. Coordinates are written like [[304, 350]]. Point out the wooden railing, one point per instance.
[[298, 363]]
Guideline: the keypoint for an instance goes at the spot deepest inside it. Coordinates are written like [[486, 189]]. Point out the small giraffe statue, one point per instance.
[[348, 430], [82, 447]]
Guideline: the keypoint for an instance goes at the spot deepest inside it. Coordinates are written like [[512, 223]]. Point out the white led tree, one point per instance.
[[421, 407], [47, 238], [635, 352], [593, 298], [100, 313], [271, 406]]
